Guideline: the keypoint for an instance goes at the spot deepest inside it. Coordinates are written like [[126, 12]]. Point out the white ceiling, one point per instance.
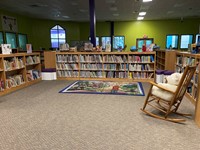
[[106, 10]]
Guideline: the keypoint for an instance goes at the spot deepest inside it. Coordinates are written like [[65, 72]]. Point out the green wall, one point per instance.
[[136, 29], [155, 29], [38, 30]]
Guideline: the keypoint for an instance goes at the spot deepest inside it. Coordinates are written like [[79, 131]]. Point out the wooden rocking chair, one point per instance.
[[170, 105]]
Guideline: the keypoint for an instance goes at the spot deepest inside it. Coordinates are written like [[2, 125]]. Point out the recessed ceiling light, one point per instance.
[[142, 13], [147, 1], [140, 18]]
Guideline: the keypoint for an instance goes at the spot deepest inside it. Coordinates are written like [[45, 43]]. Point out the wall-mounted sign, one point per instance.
[[9, 23]]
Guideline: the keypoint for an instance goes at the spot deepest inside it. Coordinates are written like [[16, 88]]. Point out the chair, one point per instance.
[[168, 107]]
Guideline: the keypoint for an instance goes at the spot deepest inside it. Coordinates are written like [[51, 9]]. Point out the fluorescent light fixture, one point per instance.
[[142, 13], [147, 1], [140, 18]]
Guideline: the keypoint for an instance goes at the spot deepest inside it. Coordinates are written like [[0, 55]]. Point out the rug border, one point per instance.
[[140, 84]]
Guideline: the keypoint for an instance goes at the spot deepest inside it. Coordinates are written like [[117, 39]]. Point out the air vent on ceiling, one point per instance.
[[38, 5], [34, 6]]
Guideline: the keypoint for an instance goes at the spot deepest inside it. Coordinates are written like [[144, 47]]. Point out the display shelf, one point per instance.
[[13, 75], [104, 66]]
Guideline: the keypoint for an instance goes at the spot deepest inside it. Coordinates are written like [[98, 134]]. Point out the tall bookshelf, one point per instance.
[[183, 59], [165, 59], [108, 66], [15, 70]]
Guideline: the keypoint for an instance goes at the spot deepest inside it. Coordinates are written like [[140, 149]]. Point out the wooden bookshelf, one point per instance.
[[14, 71], [41, 56], [165, 59], [107, 66], [197, 105], [50, 59], [183, 59]]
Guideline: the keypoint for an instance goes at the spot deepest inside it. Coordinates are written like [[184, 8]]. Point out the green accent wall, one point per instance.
[[38, 30], [132, 30]]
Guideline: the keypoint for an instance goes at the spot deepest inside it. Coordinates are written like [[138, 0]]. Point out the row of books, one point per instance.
[[67, 58], [114, 74], [106, 58], [140, 67], [13, 81], [122, 67], [64, 66], [115, 58], [91, 58], [91, 67], [185, 61], [33, 75], [1, 85], [91, 74], [140, 75], [67, 73], [32, 60], [13, 63], [101, 74], [135, 58]]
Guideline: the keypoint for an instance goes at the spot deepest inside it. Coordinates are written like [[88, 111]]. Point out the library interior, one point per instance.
[[47, 46]]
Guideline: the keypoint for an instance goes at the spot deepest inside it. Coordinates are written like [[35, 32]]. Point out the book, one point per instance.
[[29, 48], [6, 48]]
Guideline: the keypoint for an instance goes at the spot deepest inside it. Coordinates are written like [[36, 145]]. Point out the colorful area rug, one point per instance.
[[104, 87]]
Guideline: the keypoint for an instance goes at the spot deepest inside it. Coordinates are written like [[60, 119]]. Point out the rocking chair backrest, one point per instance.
[[184, 82]]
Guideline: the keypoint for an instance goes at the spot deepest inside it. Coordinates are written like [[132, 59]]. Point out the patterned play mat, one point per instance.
[[104, 87]]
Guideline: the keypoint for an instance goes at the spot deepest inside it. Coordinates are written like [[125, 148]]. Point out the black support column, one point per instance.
[[112, 33], [92, 22]]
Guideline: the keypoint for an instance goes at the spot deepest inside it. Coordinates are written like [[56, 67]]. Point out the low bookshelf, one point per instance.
[[18, 71], [108, 66]]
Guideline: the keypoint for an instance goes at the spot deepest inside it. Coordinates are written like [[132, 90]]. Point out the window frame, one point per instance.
[[188, 42], [114, 41], [58, 39], [1, 33], [166, 42], [15, 39], [18, 39], [97, 37], [105, 43]]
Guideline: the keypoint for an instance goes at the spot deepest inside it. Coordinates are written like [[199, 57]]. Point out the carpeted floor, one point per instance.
[[39, 118]]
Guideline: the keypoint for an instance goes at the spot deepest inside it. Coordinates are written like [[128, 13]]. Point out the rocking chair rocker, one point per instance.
[[171, 104]]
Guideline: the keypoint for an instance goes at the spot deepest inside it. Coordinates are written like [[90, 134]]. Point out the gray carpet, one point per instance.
[[39, 118]]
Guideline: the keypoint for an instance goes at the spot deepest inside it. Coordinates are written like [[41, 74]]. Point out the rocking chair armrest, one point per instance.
[[161, 87]]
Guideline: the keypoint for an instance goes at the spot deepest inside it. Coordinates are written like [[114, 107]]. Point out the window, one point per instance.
[[22, 41], [97, 40], [172, 42], [1, 38], [143, 41], [105, 40], [118, 42], [11, 39], [185, 40], [197, 38], [57, 36]]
